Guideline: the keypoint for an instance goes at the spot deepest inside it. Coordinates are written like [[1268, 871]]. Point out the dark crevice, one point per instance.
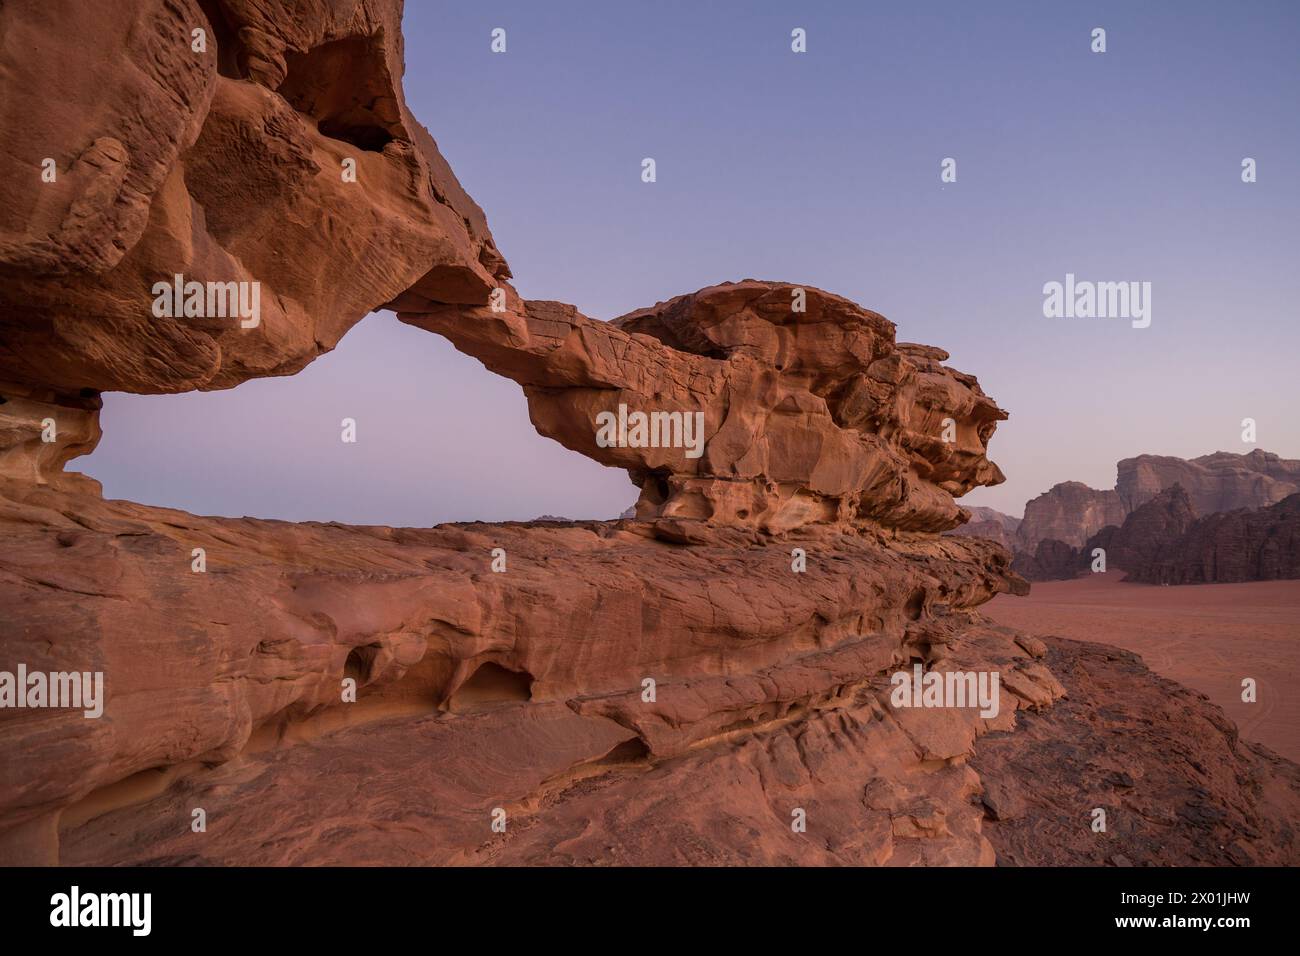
[[222, 38], [491, 686], [344, 86], [360, 662]]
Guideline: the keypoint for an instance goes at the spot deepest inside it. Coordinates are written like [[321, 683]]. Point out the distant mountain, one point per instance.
[[1146, 533], [1069, 512], [1072, 512], [1070, 519], [1052, 560], [990, 523], [1218, 482], [1163, 542], [1261, 544]]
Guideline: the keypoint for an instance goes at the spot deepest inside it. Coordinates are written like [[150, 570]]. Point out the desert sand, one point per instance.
[[1207, 636]]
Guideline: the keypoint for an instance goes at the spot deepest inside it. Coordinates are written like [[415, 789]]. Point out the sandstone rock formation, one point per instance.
[[536, 672], [1261, 544], [992, 524], [1071, 511], [666, 690], [1218, 482], [1068, 512], [808, 415], [1146, 533], [1175, 780], [239, 174]]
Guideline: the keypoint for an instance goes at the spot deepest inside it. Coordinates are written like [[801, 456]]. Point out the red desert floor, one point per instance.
[[1207, 637]]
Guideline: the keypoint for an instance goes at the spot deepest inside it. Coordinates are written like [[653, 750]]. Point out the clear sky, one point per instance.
[[821, 168]]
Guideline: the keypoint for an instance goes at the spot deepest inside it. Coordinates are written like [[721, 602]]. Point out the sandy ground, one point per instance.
[[1207, 637]]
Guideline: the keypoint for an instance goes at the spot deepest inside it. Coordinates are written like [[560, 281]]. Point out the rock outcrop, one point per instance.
[[1068, 512], [1261, 544], [800, 405], [1173, 777], [280, 157], [1149, 531], [1218, 482], [992, 524], [1072, 512], [709, 683], [537, 672]]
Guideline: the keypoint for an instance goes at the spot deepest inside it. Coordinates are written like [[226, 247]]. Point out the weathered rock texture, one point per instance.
[[1175, 780], [522, 688], [206, 669], [225, 165], [813, 416]]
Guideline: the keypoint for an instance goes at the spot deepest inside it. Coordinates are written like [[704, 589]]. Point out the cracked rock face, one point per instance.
[[708, 682]]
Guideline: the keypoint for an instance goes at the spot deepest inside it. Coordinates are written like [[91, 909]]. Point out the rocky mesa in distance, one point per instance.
[[678, 688], [1071, 518]]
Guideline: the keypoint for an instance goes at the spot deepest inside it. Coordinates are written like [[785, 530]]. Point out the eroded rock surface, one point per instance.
[[786, 557], [206, 668], [810, 411], [226, 165], [1176, 783]]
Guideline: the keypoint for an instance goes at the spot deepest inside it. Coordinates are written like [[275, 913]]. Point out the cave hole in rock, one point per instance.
[[223, 39], [629, 751], [360, 662], [915, 604], [344, 86], [491, 686], [654, 484]]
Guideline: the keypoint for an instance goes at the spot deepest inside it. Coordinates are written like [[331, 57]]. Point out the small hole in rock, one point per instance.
[[492, 686]]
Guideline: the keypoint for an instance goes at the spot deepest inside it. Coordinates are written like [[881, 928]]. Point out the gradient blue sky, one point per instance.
[[820, 168]]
